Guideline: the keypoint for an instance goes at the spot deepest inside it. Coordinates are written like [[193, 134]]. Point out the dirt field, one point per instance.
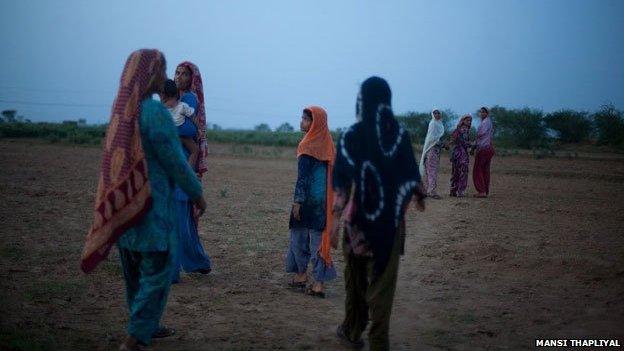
[[542, 258]]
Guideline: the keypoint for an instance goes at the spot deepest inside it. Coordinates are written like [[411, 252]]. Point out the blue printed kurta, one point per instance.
[[310, 192]]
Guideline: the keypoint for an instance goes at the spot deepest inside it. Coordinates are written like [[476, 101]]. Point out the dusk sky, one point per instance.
[[263, 61]]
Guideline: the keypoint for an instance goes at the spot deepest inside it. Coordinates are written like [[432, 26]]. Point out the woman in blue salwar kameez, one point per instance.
[[142, 162]]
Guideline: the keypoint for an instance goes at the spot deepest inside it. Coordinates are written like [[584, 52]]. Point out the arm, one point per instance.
[[341, 196], [191, 100], [190, 145], [419, 193], [164, 139], [187, 110]]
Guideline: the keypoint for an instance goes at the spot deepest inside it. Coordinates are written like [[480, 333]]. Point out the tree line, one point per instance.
[[514, 128], [531, 128]]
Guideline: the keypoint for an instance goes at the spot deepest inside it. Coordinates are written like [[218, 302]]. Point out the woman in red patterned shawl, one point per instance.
[[191, 254], [134, 204]]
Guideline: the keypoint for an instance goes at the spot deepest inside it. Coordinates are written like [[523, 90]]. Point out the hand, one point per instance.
[[334, 234], [420, 204], [296, 211], [201, 204]]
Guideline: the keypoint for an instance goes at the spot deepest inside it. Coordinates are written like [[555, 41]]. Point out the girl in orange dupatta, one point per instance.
[[311, 216]]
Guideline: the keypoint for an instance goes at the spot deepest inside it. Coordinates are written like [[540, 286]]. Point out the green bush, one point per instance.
[[609, 124], [522, 128], [571, 126], [417, 123], [513, 128], [54, 132]]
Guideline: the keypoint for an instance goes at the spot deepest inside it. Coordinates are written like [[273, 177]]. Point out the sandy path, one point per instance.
[[543, 257]]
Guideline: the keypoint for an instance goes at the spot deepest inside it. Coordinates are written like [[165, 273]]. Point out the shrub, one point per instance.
[[569, 125], [417, 123], [609, 125], [523, 128]]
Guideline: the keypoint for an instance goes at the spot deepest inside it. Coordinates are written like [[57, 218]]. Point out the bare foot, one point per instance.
[[299, 281], [300, 278], [316, 290], [317, 287]]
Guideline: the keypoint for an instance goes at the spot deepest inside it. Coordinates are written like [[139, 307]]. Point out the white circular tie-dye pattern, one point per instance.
[[404, 190], [343, 148], [368, 165]]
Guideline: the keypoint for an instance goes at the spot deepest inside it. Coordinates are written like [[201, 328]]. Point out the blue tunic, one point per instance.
[[186, 129], [311, 193], [191, 99]]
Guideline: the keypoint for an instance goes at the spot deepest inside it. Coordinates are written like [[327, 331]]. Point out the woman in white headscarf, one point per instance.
[[430, 159]]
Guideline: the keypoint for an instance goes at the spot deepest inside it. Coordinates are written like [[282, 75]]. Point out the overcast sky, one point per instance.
[[263, 61]]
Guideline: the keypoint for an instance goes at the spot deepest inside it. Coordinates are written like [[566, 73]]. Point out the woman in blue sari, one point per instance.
[[191, 255]]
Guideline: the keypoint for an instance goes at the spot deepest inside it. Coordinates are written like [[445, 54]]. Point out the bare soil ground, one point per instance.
[[543, 257]]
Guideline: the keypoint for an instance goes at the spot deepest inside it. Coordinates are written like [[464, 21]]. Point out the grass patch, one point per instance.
[[21, 340]]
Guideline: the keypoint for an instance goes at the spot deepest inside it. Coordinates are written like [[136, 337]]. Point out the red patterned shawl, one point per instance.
[[123, 194], [198, 89]]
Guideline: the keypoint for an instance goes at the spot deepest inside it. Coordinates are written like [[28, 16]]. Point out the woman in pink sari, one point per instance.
[[483, 156]]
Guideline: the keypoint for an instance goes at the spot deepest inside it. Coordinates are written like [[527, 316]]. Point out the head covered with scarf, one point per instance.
[[197, 88], [318, 143], [461, 125], [376, 155], [123, 194], [435, 131]]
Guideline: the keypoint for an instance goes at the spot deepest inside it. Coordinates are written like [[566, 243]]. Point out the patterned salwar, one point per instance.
[[432, 163], [460, 161]]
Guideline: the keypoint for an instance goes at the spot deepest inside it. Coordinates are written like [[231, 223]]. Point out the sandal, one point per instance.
[[163, 332], [203, 271], [311, 292], [297, 285], [340, 333]]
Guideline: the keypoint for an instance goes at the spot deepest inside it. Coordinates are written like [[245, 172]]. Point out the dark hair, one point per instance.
[[171, 89], [308, 114], [485, 110]]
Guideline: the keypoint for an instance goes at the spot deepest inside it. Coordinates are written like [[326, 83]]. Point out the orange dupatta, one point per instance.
[[319, 144]]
